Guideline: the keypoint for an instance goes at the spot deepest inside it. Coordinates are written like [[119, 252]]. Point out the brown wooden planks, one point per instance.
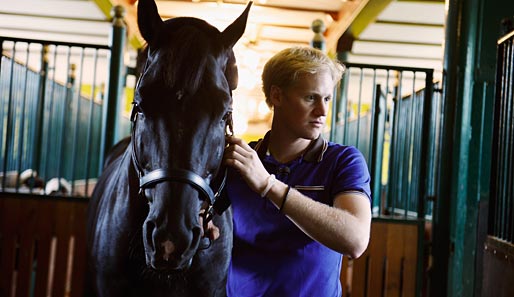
[[36, 233], [388, 267]]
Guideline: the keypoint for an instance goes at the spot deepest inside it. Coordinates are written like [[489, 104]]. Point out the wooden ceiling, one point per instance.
[[406, 33], [387, 32]]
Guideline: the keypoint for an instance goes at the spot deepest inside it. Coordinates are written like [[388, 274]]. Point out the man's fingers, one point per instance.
[[213, 232]]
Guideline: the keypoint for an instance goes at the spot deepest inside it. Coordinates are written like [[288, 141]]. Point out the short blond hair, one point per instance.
[[285, 67]]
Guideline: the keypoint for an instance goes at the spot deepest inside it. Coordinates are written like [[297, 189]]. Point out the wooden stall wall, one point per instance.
[[389, 267], [42, 245]]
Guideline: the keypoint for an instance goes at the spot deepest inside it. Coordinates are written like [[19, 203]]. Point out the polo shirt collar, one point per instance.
[[314, 152]]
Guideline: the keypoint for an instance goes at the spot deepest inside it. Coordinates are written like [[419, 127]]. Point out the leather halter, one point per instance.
[[177, 174]]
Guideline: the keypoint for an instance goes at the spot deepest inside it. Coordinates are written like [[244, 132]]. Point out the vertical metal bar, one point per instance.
[[416, 134], [359, 99], [40, 110], [2, 107], [412, 146], [116, 69], [400, 141], [509, 193], [77, 123], [494, 190], [392, 150], [405, 149], [416, 159], [22, 118], [344, 108], [388, 119], [89, 133], [8, 137], [51, 119], [377, 146], [67, 99], [333, 121], [33, 98], [502, 146], [372, 127], [425, 134]]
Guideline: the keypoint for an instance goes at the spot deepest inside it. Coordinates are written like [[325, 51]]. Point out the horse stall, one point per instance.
[[52, 104], [52, 143], [392, 115], [498, 253]]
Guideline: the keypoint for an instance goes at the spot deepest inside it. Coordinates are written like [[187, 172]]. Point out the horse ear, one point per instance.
[[235, 30], [148, 19]]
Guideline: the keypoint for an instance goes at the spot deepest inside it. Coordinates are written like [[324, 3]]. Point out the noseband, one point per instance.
[[160, 175]]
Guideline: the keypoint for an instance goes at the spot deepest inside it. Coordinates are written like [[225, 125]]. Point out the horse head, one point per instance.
[[182, 107]]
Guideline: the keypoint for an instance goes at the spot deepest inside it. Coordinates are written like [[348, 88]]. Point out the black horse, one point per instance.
[[145, 230]]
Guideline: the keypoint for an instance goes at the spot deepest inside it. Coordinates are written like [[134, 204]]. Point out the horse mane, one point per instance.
[[190, 42]]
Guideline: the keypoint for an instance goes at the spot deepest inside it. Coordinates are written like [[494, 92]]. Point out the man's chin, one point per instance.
[[312, 135]]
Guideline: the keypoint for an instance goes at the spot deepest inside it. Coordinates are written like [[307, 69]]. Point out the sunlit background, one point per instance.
[[387, 32]]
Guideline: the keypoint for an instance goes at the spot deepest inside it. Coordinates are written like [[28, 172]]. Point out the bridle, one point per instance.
[[180, 175]]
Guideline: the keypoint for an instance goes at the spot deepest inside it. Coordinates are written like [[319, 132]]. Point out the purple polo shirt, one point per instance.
[[271, 256]]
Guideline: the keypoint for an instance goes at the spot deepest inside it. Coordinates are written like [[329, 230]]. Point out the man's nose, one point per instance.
[[321, 107]]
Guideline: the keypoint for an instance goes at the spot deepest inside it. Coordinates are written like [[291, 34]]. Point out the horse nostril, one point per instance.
[[150, 227]]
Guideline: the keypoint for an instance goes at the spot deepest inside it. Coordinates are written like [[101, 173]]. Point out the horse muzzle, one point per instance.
[[167, 252]]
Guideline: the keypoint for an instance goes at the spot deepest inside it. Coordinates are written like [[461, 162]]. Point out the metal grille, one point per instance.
[[51, 98], [392, 116], [501, 217]]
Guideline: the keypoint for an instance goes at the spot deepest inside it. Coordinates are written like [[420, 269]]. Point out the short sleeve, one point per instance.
[[351, 173]]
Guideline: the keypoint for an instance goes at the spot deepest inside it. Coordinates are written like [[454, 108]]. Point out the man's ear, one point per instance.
[[275, 95]]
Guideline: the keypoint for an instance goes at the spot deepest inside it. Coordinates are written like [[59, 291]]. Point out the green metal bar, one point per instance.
[[377, 146], [339, 113], [40, 110], [67, 100], [425, 144], [415, 144], [22, 119], [9, 129], [372, 124], [509, 143], [344, 110], [51, 119], [89, 130], [387, 118], [400, 144], [333, 121], [392, 185], [410, 147], [357, 135], [115, 87], [77, 123]]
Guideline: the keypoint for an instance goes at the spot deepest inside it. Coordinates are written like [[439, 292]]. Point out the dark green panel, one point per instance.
[[472, 28]]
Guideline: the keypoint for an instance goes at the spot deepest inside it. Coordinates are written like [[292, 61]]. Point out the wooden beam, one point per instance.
[[368, 15], [345, 17]]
